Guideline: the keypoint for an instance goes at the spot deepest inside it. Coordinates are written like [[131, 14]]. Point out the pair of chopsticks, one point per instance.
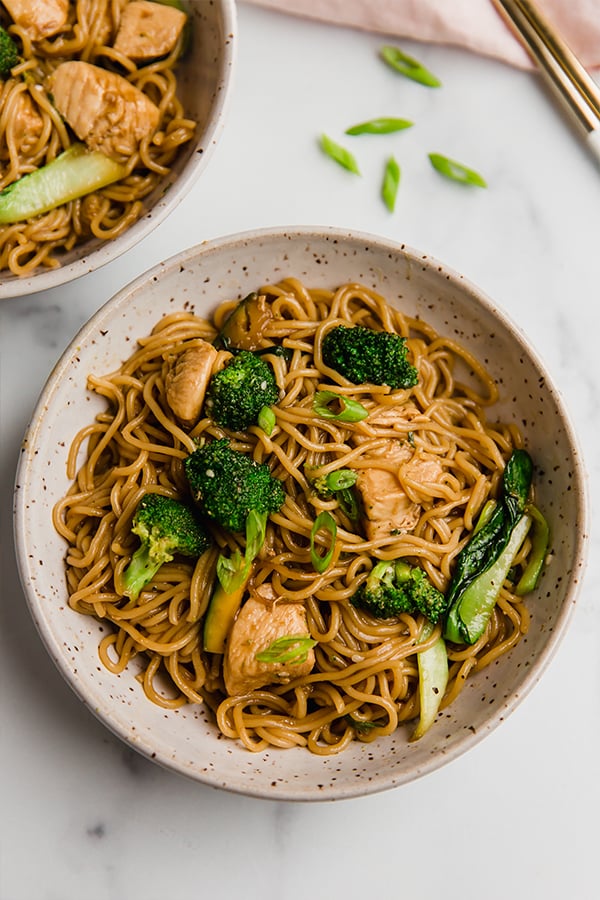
[[572, 82]]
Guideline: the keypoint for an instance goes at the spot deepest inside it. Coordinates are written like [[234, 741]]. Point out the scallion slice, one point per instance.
[[340, 479], [267, 420], [385, 125], [323, 522], [391, 182], [339, 154], [409, 66], [348, 410], [290, 648], [456, 171], [348, 504]]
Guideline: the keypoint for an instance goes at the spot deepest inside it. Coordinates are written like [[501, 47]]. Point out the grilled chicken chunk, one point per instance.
[[39, 18], [148, 30], [103, 108], [187, 380], [387, 506], [262, 619], [27, 123], [107, 23]]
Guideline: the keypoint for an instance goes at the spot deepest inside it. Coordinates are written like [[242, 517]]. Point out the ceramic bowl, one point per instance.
[[186, 741], [205, 79]]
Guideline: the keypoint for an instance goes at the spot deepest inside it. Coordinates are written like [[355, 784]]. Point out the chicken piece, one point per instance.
[[392, 422], [148, 30], [27, 122], [187, 380], [387, 507], [262, 619], [39, 18], [103, 108], [398, 419], [103, 25]]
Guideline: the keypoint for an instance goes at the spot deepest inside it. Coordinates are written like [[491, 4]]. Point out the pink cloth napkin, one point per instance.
[[474, 24]]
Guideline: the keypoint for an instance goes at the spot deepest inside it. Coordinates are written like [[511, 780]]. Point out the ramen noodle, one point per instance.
[[33, 132], [364, 680]]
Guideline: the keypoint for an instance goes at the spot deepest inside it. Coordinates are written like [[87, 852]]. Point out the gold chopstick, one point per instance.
[[556, 60], [564, 56]]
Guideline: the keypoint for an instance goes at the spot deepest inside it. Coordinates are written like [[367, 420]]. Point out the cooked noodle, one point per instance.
[[366, 669], [103, 214]]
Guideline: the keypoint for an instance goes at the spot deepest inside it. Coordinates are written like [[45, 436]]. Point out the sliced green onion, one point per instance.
[[350, 410], [456, 171], [323, 522], [540, 540], [267, 420], [341, 478], [348, 504], [380, 126], [291, 648], [339, 483], [391, 182], [339, 154], [338, 480], [409, 66], [232, 571]]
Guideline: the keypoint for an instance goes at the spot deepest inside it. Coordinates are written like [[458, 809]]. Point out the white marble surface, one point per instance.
[[82, 816]]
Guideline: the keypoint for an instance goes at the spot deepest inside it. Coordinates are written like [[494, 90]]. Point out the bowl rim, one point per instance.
[[108, 251], [580, 481]]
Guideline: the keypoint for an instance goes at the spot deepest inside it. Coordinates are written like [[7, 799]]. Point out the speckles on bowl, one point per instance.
[[187, 740]]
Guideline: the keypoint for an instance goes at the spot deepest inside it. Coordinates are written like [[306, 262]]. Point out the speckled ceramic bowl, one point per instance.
[[205, 79], [187, 740]]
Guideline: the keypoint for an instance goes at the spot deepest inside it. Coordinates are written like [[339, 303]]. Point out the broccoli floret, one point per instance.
[[238, 392], [227, 484], [165, 527], [394, 587], [365, 356], [9, 53]]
